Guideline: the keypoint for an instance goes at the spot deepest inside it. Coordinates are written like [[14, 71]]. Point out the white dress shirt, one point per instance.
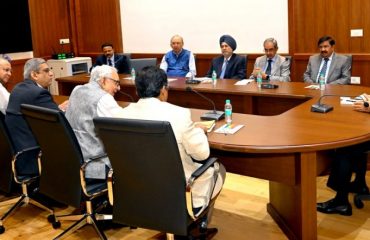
[[4, 98]]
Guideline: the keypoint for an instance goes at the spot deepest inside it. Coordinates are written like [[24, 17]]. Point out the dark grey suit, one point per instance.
[[339, 71], [27, 92]]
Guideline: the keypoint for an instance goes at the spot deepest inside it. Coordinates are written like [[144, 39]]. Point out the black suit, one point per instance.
[[30, 93], [121, 63], [236, 67], [348, 160]]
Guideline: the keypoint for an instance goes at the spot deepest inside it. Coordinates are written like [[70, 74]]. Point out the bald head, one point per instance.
[[5, 70], [177, 42]]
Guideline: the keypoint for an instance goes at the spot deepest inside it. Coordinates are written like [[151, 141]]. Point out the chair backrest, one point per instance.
[[6, 155], [61, 154], [149, 181], [290, 59], [140, 63]]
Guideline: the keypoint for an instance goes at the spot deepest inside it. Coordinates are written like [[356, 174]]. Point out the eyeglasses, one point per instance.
[[45, 70], [116, 81], [269, 50]]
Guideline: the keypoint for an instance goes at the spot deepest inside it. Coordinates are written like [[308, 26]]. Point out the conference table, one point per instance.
[[282, 140]]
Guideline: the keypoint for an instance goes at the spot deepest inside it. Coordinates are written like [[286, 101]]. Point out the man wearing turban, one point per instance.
[[229, 65]]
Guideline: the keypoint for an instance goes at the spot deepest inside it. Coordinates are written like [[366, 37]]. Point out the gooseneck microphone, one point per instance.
[[213, 115], [127, 95], [324, 108]]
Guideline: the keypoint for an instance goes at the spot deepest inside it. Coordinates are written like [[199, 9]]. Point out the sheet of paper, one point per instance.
[[229, 129], [244, 82], [313, 87]]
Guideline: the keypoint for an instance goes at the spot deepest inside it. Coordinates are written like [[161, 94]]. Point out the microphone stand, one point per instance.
[[213, 115]]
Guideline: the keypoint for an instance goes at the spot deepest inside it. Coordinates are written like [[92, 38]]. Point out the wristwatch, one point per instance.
[[268, 77]]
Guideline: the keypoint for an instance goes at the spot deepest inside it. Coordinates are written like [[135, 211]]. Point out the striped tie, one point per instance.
[[324, 67]]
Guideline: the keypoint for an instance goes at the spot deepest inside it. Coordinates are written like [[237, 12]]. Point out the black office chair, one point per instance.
[[63, 168], [139, 63], [8, 164], [149, 189]]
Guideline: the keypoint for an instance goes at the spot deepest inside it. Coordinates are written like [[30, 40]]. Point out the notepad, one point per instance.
[[208, 124], [229, 129]]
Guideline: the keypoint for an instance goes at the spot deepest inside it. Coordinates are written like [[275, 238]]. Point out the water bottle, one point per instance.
[[259, 79], [133, 74], [228, 112], [214, 78], [322, 82]]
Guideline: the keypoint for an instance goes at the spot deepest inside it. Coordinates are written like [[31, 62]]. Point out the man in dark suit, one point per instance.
[[229, 65], [120, 62], [33, 90], [347, 160]]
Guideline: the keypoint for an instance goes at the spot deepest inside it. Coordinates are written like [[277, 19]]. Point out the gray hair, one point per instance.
[[4, 60], [32, 65], [100, 72], [273, 41]]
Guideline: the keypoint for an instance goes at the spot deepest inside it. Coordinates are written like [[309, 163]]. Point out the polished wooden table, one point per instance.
[[289, 147]]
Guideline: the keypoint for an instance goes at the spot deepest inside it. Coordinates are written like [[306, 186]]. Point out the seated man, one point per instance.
[[273, 66], [151, 86], [33, 90], [5, 73], [348, 160], [94, 99], [336, 68], [179, 62], [120, 62], [229, 65]]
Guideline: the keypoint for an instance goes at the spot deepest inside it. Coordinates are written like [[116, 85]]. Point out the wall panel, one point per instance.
[[49, 23], [97, 22]]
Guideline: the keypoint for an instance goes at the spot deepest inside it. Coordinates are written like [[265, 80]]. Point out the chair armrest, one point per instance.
[[16, 157], [82, 172], [197, 173], [110, 186]]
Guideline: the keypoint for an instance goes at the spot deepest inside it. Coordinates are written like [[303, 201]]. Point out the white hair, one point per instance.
[[100, 72]]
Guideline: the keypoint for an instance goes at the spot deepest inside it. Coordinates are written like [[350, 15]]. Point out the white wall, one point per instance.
[[148, 25]]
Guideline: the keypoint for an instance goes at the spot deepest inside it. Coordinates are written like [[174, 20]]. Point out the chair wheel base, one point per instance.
[[2, 229], [56, 225]]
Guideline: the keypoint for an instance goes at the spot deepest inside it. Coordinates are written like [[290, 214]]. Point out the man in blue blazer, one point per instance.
[[229, 65], [336, 70], [33, 90], [120, 62]]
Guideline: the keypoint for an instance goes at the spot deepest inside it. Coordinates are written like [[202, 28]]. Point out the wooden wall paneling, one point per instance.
[[97, 22], [356, 44], [49, 22], [17, 73], [365, 4]]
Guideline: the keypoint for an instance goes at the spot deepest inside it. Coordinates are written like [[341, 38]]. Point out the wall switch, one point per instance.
[[64, 41], [355, 80], [357, 32]]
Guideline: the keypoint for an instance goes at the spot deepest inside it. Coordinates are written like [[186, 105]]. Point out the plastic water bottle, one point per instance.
[[322, 82], [228, 112], [214, 78], [259, 79], [133, 74]]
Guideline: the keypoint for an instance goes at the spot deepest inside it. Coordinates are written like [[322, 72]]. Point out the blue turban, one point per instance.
[[229, 40]]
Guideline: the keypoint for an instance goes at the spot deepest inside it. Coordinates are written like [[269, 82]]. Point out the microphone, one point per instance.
[[324, 108], [127, 95], [213, 115]]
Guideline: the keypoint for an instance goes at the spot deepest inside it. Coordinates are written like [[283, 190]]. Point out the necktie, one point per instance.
[[268, 69], [324, 67], [110, 62], [223, 70]]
